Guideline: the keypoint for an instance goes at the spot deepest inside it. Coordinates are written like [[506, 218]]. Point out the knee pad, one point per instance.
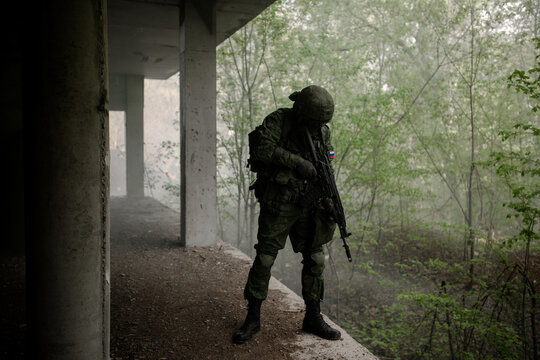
[[267, 260], [317, 258]]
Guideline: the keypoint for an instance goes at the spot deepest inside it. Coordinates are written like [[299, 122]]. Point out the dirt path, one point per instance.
[[168, 302]]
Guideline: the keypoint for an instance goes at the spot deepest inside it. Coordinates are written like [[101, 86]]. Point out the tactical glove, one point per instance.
[[305, 168], [327, 204]]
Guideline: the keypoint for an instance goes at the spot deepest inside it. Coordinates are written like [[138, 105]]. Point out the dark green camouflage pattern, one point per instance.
[[308, 230], [315, 104], [308, 227]]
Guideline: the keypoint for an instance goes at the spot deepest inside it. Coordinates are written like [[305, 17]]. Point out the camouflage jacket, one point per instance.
[[284, 185]]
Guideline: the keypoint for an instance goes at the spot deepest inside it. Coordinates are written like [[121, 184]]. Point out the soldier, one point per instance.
[[287, 189]]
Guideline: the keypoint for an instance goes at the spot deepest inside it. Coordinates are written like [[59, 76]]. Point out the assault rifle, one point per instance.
[[330, 190]]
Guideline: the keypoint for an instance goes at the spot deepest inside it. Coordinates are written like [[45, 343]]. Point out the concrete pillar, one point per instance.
[[135, 135], [197, 129], [66, 179], [117, 92]]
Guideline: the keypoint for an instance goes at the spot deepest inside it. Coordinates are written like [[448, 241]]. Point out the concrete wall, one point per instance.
[[65, 115], [12, 240]]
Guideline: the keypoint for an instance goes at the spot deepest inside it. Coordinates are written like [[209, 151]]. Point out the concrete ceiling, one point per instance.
[[144, 34]]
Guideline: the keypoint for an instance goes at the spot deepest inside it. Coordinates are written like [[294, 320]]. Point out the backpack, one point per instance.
[[254, 139], [262, 169]]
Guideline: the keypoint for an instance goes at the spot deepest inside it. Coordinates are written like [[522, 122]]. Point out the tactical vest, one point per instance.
[[281, 178]]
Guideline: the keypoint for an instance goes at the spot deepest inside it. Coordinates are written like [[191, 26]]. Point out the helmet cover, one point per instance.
[[313, 104]]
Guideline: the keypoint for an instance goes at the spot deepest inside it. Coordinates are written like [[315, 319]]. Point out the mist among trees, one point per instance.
[[436, 136]]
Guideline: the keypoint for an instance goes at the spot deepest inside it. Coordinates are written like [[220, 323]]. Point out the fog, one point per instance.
[[161, 143]]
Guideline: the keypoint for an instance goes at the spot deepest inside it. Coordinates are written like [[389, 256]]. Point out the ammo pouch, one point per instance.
[[278, 199], [278, 194], [284, 189], [311, 196]]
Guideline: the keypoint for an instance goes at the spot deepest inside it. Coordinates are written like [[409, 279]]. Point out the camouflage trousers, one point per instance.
[[308, 230]]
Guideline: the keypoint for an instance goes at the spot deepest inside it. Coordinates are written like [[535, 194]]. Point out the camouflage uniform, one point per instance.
[[282, 211], [289, 194]]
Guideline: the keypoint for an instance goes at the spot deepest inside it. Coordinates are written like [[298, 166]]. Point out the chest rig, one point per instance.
[[296, 190]]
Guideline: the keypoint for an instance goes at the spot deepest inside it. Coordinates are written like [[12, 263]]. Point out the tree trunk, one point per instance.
[[470, 224]]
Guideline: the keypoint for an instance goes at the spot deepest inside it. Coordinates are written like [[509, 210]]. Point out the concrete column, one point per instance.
[[197, 129], [67, 179], [117, 92], [135, 135]]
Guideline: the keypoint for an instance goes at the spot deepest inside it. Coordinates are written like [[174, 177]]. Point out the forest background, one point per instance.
[[437, 161]]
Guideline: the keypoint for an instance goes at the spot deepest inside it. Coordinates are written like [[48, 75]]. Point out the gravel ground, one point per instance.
[[169, 302]]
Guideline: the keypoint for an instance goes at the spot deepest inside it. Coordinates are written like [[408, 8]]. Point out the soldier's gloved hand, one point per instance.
[[327, 204], [305, 168]]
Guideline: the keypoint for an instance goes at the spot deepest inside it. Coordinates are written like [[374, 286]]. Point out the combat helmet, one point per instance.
[[313, 104]]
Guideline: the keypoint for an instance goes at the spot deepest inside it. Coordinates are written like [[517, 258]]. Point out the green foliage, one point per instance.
[[527, 83], [520, 167], [162, 168]]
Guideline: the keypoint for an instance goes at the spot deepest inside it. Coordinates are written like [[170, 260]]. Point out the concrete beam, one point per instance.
[[231, 15], [134, 135], [67, 179], [198, 196], [143, 37]]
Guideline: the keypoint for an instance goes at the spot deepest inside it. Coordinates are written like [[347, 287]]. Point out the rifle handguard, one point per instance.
[[330, 190]]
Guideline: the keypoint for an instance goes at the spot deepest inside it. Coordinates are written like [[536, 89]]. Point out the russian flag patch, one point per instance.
[[331, 153]]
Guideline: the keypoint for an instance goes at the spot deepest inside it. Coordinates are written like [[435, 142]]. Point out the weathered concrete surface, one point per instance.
[[67, 179], [197, 130], [134, 135], [143, 35], [312, 347]]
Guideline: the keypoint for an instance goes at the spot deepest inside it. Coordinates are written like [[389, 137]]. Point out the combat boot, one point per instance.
[[252, 324], [315, 324]]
